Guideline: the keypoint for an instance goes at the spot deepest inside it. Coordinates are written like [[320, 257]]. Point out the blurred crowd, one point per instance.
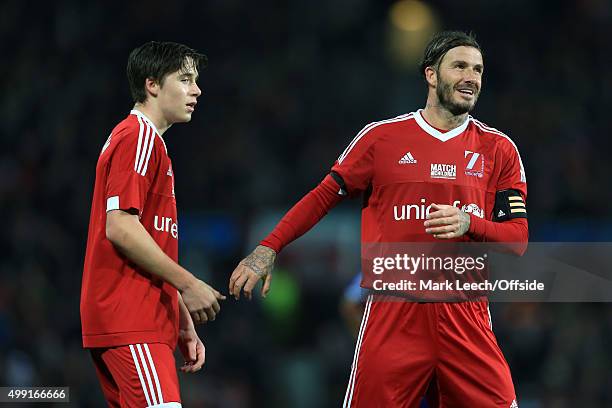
[[287, 87]]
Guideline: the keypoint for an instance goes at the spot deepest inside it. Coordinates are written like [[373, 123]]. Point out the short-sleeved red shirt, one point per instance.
[[121, 303]]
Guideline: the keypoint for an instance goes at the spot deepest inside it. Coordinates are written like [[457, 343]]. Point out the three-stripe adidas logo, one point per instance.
[[407, 159]]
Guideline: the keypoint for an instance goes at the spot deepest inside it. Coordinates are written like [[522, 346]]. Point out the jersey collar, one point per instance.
[[442, 136], [145, 118]]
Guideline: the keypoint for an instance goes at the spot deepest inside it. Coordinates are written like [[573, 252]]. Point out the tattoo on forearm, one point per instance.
[[261, 261]]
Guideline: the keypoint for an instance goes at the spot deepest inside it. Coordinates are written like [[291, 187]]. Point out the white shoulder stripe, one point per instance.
[[152, 142], [366, 129], [485, 126], [488, 129], [145, 145], [138, 147], [369, 127]]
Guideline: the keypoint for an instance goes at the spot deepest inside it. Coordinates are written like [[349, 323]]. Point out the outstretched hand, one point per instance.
[[258, 265]]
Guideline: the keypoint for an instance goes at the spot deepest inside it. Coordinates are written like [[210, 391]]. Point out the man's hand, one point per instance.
[[202, 301], [258, 265], [446, 222], [192, 349]]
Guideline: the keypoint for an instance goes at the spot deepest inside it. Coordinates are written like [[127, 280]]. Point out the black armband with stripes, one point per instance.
[[509, 204]]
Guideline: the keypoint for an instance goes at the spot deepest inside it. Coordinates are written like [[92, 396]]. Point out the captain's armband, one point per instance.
[[509, 204]]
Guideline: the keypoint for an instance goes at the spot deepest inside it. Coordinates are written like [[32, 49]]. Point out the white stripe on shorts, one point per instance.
[[348, 398], [137, 364], [154, 371], [148, 375]]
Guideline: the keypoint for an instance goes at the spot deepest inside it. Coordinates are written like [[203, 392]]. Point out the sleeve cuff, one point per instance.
[[273, 243], [477, 228], [112, 203]]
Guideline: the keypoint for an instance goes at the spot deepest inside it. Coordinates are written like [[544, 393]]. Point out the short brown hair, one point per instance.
[[441, 43], [156, 60]]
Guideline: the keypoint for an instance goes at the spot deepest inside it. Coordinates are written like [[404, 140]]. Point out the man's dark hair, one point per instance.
[[441, 43], [156, 60]]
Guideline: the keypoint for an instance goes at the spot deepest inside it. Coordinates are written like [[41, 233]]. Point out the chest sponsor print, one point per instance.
[[443, 171]]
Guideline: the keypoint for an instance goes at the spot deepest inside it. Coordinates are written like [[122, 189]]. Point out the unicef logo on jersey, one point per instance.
[[166, 224], [421, 210], [473, 209]]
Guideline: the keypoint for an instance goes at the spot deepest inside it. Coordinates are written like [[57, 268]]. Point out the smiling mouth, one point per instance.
[[465, 91]]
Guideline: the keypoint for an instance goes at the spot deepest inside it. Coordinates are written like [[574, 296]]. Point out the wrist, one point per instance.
[[266, 250], [185, 321], [273, 242], [186, 281], [477, 227], [186, 324]]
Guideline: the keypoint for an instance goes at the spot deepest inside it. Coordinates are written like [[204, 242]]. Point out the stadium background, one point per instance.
[[288, 85]]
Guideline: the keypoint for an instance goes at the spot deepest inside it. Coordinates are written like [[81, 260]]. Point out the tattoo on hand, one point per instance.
[[260, 261], [464, 222]]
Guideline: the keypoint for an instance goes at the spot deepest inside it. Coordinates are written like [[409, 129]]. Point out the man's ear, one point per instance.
[[152, 87], [431, 76]]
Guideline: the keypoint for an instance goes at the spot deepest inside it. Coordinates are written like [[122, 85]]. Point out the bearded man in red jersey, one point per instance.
[[433, 174]]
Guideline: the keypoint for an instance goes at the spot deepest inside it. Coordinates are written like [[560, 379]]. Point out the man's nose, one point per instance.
[[196, 90], [471, 76]]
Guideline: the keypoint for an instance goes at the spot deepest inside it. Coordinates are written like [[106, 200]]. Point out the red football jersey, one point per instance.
[[404, 165], [121, 303]]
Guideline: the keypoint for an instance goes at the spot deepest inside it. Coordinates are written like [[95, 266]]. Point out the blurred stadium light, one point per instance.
[[411, 24]]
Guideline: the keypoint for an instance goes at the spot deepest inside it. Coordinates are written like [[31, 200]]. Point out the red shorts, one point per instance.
[[138, 375], [404, 346]]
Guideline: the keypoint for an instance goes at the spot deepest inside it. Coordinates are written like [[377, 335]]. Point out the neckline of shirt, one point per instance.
[[442, 136]]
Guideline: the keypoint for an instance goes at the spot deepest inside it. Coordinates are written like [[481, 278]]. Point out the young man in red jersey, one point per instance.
[[137, 302], [434, 174]]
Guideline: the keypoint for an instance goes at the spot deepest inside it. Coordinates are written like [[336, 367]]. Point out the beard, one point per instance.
[[445, 92]]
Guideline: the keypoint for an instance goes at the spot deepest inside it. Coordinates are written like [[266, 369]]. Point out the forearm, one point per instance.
[[514, 232], [304, 215], [130, 237], [185, 321]]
